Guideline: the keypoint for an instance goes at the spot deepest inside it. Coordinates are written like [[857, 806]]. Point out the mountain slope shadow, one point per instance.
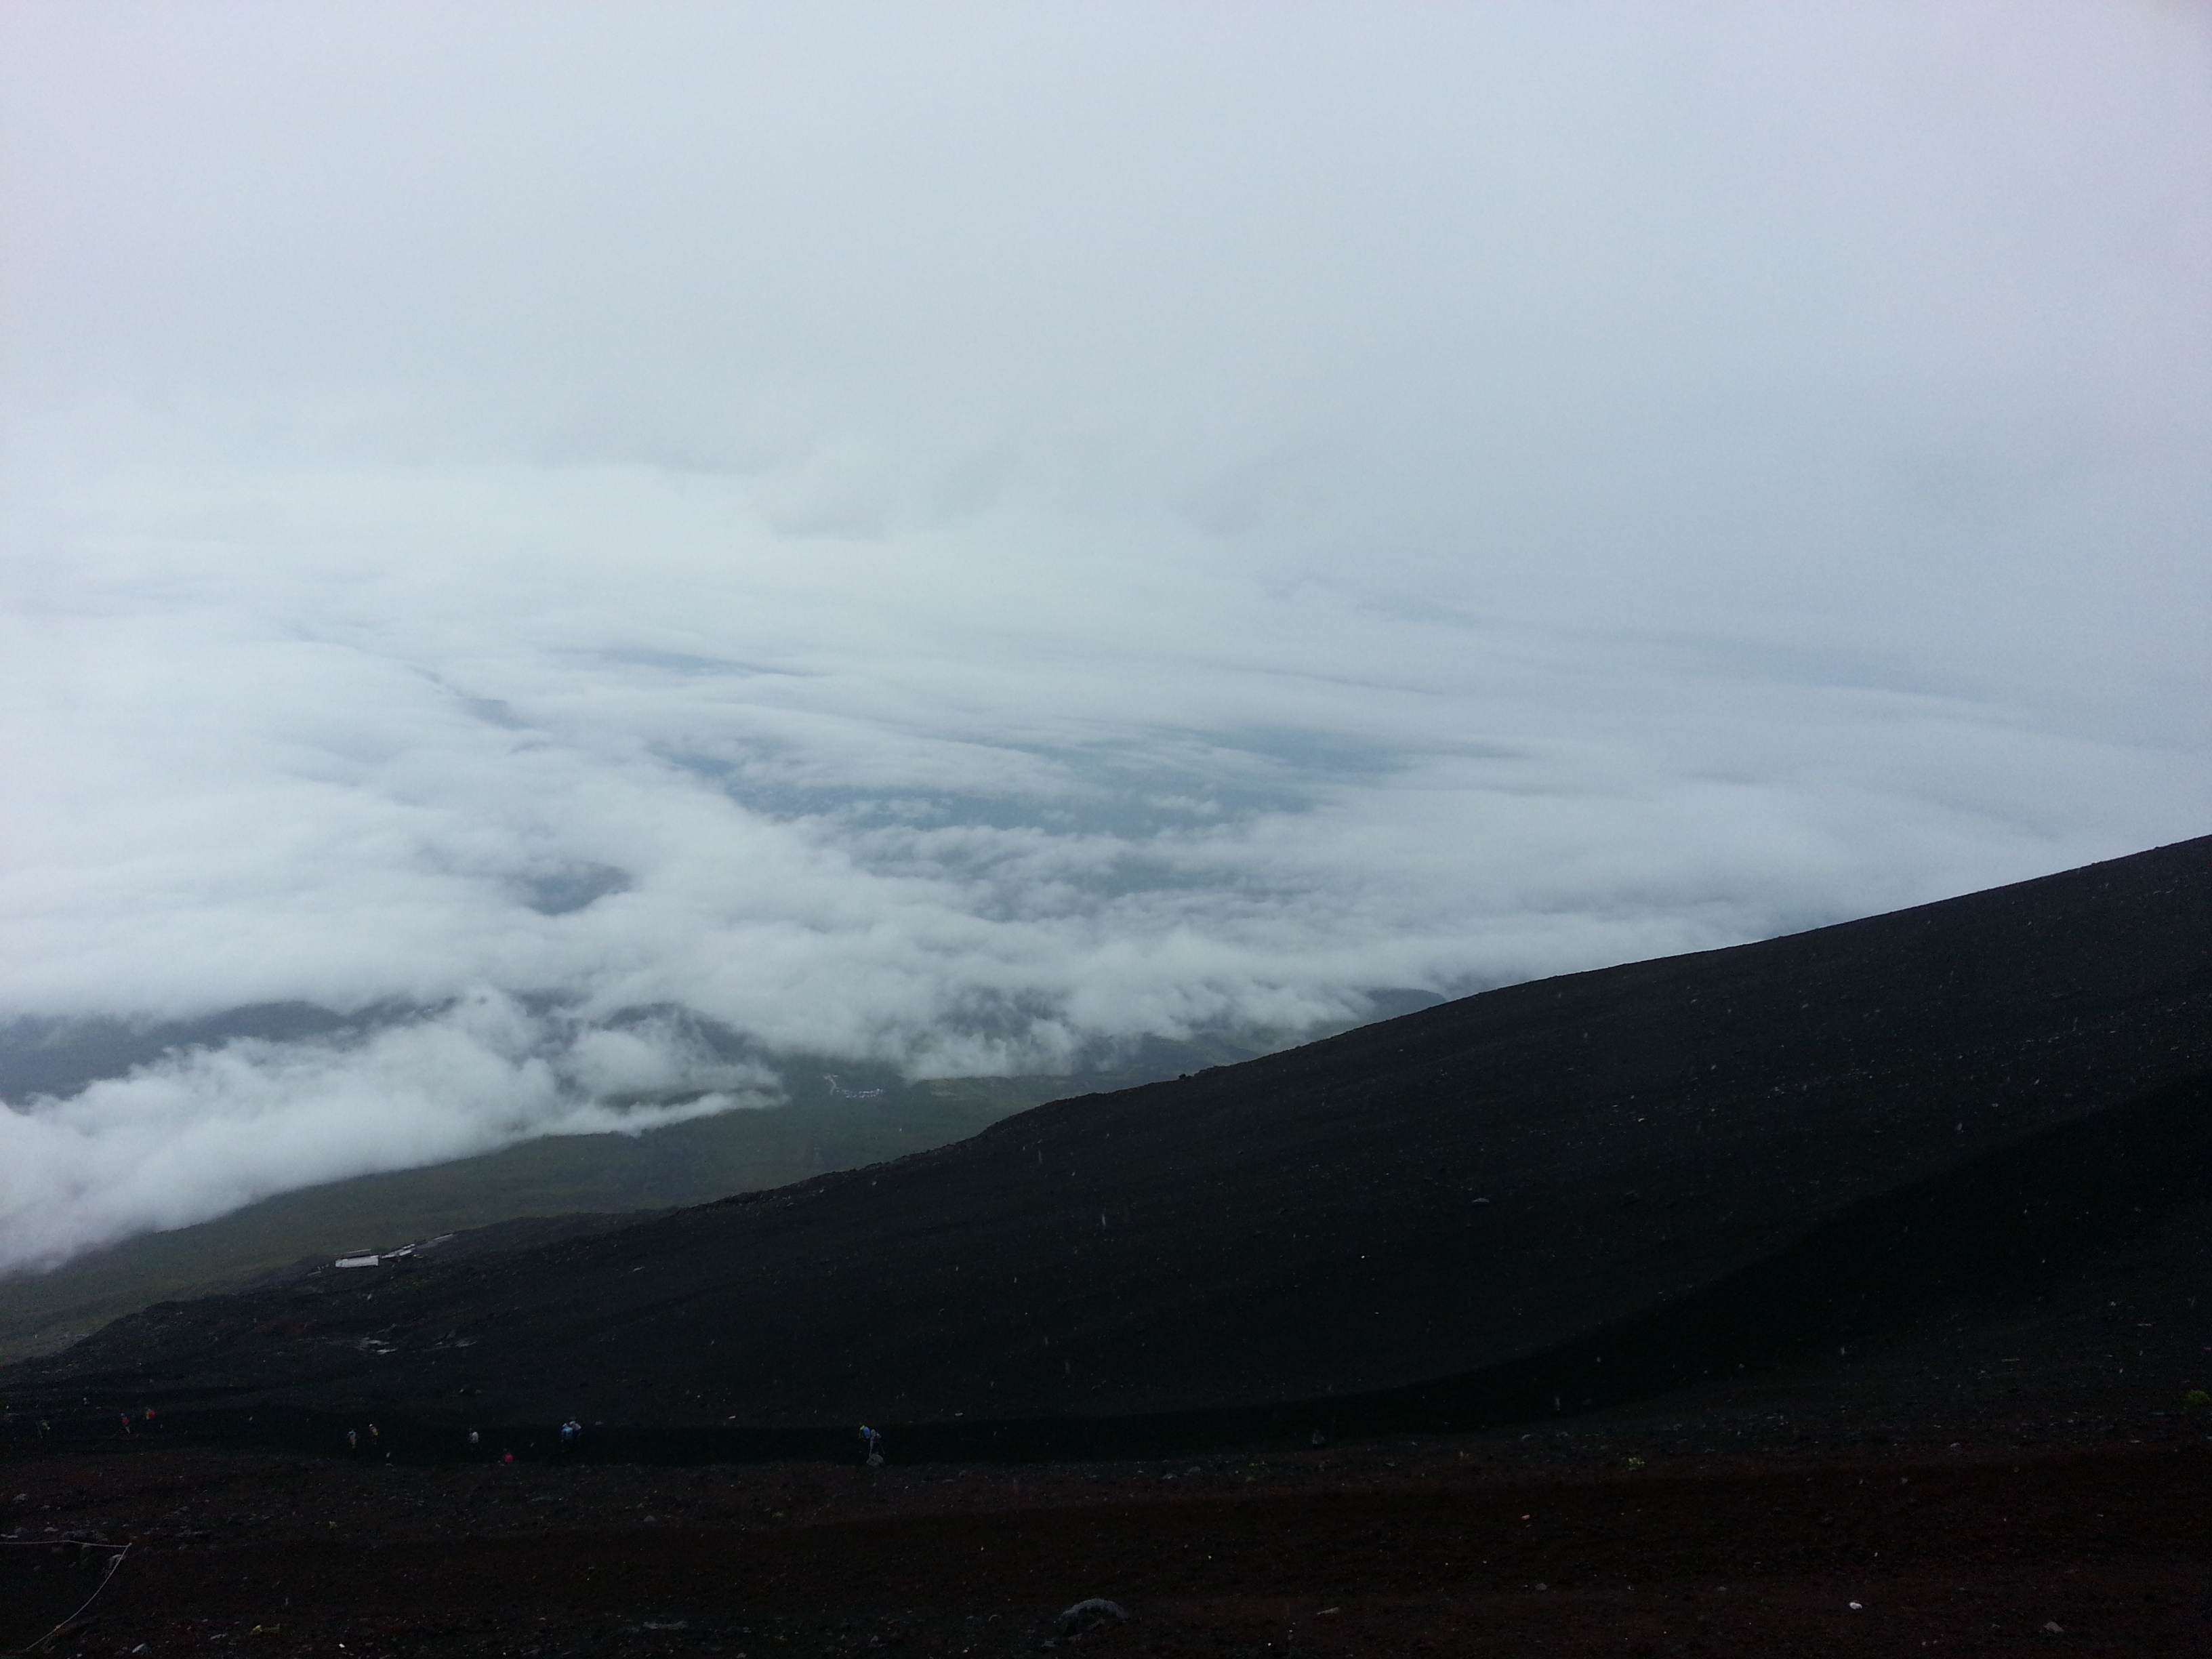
[[1986, 1238]]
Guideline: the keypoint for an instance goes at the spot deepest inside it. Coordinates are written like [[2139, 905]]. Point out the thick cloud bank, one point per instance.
[[210, 1128], [958, 536]]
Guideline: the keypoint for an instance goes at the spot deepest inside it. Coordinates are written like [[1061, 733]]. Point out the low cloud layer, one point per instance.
[[959, 538], [212, 1128]]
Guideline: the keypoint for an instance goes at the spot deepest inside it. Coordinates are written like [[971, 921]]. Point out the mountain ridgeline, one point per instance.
[[1575, 1191]]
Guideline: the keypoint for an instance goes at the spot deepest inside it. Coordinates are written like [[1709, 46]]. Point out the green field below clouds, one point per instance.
[[690, 1163]]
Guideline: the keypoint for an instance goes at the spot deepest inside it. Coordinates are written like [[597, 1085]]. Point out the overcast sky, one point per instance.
[[957, 535]]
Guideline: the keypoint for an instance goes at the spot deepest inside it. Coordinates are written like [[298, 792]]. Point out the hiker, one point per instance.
[[874, 1442], [352, 1441], [474, 1436]]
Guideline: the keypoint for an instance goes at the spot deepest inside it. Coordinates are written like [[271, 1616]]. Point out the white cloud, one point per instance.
[[204, 1130], [956, 537]]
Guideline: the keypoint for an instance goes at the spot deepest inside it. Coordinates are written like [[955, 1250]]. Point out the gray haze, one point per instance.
[[962, 536]]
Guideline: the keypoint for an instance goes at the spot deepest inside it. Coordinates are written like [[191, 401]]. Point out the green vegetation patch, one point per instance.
[[877, 1117]]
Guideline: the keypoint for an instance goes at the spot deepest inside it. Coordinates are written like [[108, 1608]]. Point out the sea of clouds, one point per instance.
[[962, 537]]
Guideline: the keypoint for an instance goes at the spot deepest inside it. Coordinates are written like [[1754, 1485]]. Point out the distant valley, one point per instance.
[[571, 1183]]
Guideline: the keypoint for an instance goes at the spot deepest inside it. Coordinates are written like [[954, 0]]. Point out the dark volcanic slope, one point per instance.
[[1487, 1180]]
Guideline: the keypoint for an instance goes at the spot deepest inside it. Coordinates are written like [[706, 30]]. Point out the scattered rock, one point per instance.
[[1090, 1615]]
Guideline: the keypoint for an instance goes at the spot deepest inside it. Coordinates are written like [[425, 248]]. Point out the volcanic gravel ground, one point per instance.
[[1966, 1505], [1445, 1551]]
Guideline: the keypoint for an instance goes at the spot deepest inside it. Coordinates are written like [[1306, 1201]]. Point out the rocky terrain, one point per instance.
[[1839, 1293]]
